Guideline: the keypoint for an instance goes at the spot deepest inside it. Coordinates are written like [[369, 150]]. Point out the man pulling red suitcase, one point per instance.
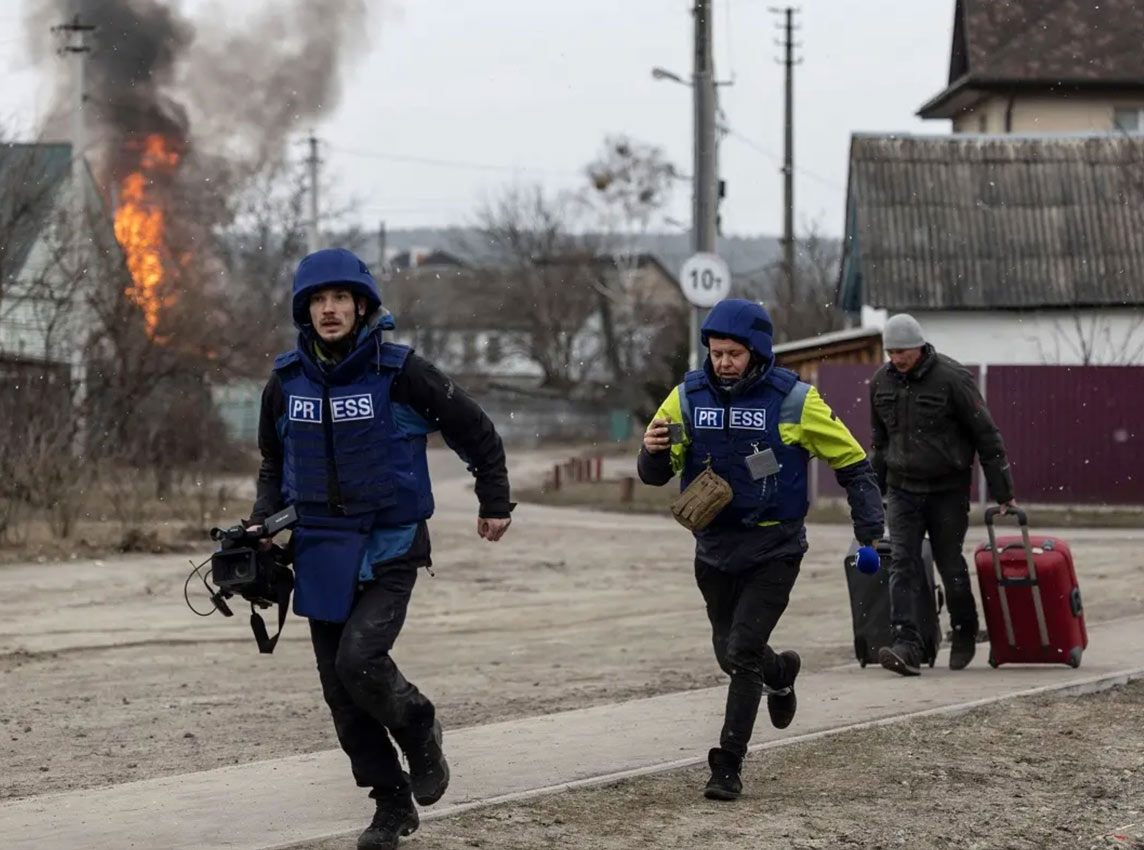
[[929, 421]]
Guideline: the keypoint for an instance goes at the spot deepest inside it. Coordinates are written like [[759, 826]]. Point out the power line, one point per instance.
[[755, 146], [451, 163]]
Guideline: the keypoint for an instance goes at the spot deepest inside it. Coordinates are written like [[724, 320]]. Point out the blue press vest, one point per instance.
[[381, 472], [729, 429]]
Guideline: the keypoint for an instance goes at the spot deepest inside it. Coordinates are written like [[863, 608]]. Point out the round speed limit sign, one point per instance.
[[705, 279]]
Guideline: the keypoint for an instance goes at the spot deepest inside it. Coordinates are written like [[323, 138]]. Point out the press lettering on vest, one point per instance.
[[303, 409], [708, 417], [749, 417], [351, 407]]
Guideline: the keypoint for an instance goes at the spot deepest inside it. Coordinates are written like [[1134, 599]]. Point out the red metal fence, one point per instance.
[[1074, 434]]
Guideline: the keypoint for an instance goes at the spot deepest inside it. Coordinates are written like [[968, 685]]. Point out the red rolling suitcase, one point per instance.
[[1031, 598]]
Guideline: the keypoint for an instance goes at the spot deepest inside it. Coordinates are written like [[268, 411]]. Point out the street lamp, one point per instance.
[[664, 74]]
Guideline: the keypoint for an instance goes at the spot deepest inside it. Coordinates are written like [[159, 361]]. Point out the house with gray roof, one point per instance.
[[1008, 249], [1044, 66]]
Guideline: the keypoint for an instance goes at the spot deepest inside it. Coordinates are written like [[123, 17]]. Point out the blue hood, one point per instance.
[[332, 267], [743, 321]]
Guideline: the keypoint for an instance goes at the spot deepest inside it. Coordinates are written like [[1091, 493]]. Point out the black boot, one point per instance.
[[724, 783], [428, 770], [902, 658], [962, 646], [782, 708], [392, 820]]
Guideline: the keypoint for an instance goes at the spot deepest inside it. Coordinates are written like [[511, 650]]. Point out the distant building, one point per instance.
[[467, 319], [1044, 66], [1008, 250]]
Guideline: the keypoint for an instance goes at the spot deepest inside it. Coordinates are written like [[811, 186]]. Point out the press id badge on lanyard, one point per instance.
[[762, 463]]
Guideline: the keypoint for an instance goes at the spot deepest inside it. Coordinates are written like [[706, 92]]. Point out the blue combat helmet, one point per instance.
[[745, 322], [332, 267]]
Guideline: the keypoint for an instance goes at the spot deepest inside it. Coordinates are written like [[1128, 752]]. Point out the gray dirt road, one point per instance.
[[105, 676]]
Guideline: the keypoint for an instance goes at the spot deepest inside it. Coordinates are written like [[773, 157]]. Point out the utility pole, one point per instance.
[[705, 197], [313, 161], [789, 62], [75, 45], [382, 247]]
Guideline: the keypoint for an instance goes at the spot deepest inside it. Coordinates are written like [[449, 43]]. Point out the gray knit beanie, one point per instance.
[[902, 331]]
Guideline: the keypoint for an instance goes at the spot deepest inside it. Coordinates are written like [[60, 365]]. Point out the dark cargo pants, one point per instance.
[[744, 608], [367, 695], [944, 516]]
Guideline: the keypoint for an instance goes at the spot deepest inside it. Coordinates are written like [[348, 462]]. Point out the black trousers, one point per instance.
[[945, 517], [744, 608], [367, 695]]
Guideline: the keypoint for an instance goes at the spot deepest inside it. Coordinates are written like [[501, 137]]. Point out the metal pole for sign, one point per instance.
[[693, 360], [705, 201]]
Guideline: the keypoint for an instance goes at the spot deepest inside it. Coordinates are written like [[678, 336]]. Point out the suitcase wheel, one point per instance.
[[1074, 656], [862, 663], [931, 662], [993, 660]]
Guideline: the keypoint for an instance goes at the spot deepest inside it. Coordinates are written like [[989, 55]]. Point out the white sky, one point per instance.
[[498, 91]]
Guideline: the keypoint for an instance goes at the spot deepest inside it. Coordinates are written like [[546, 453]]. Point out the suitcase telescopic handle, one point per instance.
[[1026, 544], [993, 512]]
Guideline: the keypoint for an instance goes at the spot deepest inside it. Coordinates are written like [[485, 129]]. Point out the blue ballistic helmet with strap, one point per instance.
[[743, 321], [332, 267]]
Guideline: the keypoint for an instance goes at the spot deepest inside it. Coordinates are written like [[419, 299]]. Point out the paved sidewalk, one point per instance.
[[284, 801]]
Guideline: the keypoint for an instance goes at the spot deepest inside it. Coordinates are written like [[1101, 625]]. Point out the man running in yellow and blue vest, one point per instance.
[[741, 406]]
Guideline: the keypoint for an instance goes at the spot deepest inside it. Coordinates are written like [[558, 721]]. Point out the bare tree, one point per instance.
[[630, 184], [1089, 336], [808, 309], [542, 276]]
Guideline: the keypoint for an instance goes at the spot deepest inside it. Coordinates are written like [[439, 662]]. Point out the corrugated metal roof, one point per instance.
[[1057, 45], [826, 339], [994, 222]]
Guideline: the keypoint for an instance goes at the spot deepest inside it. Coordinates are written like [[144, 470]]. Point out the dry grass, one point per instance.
[[126, 510]]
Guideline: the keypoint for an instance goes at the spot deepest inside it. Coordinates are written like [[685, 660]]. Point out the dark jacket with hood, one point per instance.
[[812, 427], [928, 423]]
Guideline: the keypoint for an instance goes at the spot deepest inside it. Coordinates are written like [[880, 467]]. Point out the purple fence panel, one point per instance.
[[846, 388], [1073, 433]]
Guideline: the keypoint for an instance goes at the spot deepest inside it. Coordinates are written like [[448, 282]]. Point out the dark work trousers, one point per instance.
[[365, 691], [945, 517], [744, 608]]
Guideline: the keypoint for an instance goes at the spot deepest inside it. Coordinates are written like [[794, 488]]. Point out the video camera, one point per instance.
[[242, 566]]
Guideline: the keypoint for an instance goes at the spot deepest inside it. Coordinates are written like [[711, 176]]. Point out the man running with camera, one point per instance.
[[342, 433]]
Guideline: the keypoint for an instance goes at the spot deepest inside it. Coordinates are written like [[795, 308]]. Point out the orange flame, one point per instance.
[[139, 225]]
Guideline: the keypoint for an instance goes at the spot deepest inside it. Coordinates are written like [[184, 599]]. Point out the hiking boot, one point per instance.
[[782, 708], [428, 770], [902, 658], [962, 646], [392, 820], [724, 783]]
